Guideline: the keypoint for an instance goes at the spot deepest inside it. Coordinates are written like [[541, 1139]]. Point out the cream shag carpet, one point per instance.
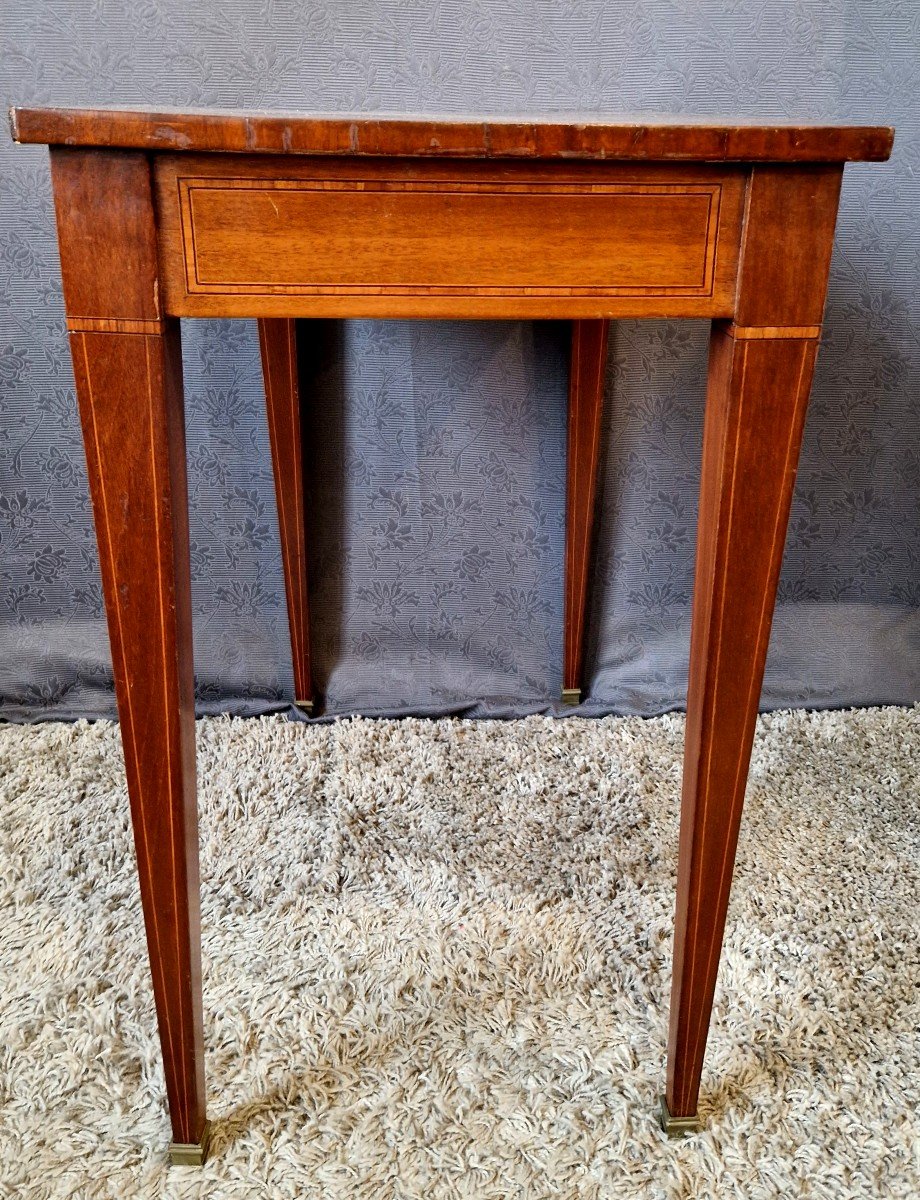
[[437, 959]]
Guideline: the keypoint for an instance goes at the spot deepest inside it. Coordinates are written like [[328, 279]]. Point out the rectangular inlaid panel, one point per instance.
[[374, 241], [320, 235]]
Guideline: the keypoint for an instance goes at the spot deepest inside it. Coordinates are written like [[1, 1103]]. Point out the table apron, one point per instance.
[[250, 237]]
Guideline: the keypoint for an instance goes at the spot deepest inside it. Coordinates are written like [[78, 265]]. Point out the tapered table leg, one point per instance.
[[759, 379], [586, 404], [128, 370], [129, 387], [758, 391], [278, 345]]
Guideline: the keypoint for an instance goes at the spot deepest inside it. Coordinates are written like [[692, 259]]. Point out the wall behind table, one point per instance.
[[438, 450]]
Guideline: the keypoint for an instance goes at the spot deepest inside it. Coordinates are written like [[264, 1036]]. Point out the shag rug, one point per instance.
[[437, 960]]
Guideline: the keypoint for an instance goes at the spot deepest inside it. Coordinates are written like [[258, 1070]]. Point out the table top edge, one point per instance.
[[561, 136]]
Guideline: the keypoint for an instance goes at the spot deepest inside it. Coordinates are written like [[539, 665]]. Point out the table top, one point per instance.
[[562, 136]]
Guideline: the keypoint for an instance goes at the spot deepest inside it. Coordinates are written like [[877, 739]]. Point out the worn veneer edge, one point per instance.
[[354, 135]]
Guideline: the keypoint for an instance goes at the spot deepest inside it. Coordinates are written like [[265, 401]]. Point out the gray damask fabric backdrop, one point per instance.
[[437, 451]]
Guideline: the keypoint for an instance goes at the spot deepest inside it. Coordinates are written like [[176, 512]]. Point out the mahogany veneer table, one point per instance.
[[164, 215]]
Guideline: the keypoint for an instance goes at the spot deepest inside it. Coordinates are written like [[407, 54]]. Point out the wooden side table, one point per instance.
[[164, 215]]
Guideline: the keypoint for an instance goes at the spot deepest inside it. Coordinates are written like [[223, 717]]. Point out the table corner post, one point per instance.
[[128, 371], [760, 371]]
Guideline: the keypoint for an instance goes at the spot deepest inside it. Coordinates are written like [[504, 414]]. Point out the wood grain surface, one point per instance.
[[310, 237], [107, 240], [759, 382], [129, 388], [588, 136]]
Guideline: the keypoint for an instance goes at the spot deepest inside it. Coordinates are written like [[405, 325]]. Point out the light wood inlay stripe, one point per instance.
[[765, 332], [115, 325]]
